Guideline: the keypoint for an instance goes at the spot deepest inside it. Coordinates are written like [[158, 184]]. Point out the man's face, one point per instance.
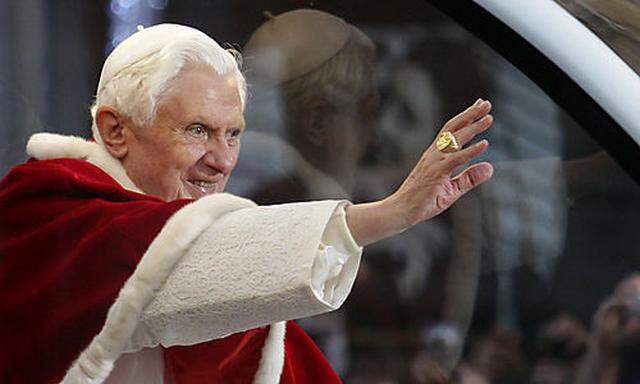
[[192, 145]]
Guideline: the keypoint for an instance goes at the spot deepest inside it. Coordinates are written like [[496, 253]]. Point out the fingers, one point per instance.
[[466, 134], [471, 114], [472, 177], [456, 159]]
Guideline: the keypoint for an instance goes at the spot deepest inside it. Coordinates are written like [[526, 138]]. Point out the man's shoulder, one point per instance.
[[57, 176], [62, 166]]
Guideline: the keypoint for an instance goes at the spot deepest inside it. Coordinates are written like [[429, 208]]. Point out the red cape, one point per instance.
[[70, 236]]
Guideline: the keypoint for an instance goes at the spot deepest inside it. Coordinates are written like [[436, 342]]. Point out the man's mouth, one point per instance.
[[203, 186], [202, 183]]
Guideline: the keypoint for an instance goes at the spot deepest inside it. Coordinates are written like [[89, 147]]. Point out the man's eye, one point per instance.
[[197, 131], [234, 135]]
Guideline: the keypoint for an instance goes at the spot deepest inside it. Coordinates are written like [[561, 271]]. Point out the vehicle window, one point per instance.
[[505, 284]]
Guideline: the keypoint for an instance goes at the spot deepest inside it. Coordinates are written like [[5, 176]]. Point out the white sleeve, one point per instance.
[[253, 267], [333, 272]]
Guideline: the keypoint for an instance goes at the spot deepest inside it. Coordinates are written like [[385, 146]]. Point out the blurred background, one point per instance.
[[518, 282]]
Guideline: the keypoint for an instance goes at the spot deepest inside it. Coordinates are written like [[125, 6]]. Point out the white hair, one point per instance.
[[141, 69]]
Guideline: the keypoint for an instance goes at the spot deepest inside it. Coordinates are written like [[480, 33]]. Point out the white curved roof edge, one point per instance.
[[579, 53]]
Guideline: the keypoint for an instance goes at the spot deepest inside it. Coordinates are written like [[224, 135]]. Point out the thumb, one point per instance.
[[472, 177]]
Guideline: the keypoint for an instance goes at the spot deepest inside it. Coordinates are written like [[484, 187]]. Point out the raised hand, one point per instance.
[[431, 187]]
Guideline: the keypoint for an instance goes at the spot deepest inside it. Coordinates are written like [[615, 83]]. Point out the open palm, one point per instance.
[[430, 188]]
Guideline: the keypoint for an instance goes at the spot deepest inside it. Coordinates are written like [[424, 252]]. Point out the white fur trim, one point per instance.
[[43, 146], [272, 359], [97, 360], [46, 146]]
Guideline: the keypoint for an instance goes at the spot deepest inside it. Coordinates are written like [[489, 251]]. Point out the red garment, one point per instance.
[[70, 236]]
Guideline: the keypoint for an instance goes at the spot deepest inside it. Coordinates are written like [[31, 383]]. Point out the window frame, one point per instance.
[[509, 28]]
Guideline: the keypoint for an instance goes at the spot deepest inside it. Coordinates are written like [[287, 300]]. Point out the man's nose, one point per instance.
[[219, 154]]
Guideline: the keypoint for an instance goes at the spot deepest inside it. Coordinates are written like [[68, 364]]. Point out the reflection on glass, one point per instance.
[[322, 78]]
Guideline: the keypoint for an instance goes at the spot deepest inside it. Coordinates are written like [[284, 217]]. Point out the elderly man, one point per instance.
[[123, 254]]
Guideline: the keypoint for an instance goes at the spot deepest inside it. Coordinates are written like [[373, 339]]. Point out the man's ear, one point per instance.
[[111, 128]]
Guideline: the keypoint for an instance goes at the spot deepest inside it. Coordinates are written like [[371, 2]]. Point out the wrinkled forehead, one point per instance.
[[198, 91]]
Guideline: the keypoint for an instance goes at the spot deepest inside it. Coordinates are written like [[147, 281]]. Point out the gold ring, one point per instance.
[[447, 142]]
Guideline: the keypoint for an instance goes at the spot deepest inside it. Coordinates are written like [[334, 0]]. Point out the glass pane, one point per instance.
[[616, 22], [505, 284]]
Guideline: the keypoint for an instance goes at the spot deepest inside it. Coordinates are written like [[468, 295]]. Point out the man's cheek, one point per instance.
[[193, 152]]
